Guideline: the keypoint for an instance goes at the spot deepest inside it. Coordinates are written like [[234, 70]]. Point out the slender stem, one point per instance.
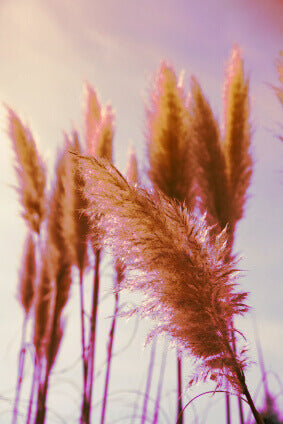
[[86, 407], [256, 414], [160, 384], [41, 400], [35, 382], [20, 371], [84, 360], [109, 357], [228, 410], [83, 327], [212, 392], [148, 382], [241, 412], [180, 414], [94, 320], [241, 379]]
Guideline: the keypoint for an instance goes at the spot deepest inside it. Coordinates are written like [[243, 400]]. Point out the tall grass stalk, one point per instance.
[[83, 339], [119, 276], [60, 255], [180, 417], [179, 269], [237, 146], [31, 188], [26, 292], [30, 170], [224, 168], [160, 384], [169, 149], [43, 318], [80, 244], [211, 171], [21, 364], [86, 407], [34, 384], [99, 130], [148, 381]]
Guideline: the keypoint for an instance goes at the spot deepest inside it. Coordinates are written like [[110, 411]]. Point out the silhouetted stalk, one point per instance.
[[43, 387], [160, 384], [241, 378], [256, 414], [86, 407], [20, 371], [83, 327], [148, 382], [109, 356], [241, 412], [228, 410], [41, 399], [84, 360], [179, 383], [35, 381]]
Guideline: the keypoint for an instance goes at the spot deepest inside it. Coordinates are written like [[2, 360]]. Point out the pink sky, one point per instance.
[[47, 50]]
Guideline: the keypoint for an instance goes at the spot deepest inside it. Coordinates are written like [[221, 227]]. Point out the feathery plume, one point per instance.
[[167, 255], [132, 167], [62, 286], [44, 301], [30, 171], [80, 204], [92, 117], [54, 343], [99, 126], [104, 136], [170, 153], [168, 138], [237, 133], [26, 290], [211, 165], [61, 226]]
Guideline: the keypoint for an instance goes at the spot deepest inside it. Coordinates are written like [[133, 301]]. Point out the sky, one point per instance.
[[48, 49]]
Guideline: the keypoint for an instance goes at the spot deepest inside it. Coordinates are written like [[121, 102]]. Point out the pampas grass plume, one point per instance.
[[30, 170], [61, 225], [132, 167], [187, 283], [168, 138], [54, 343], [44, 301], [81, 227], [26, 290], [99, 126], [92, 116], [63, 283], [237, 133], [211, 165]]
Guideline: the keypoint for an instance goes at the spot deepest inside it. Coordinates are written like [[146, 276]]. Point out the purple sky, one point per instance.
[[47, 50]]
